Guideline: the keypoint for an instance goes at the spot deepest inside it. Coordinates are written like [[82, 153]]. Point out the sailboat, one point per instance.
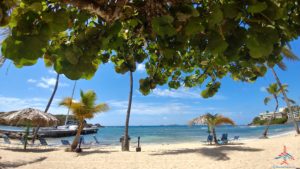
[[70, 126]]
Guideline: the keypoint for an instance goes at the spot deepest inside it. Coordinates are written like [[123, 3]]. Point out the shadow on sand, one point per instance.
[[216, 153], [21, 163], [33, 150], [89, 152]]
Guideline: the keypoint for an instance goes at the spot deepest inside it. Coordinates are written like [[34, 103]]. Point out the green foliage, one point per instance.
[[279, 120], [183, 43], [258, 121], [257, 7]]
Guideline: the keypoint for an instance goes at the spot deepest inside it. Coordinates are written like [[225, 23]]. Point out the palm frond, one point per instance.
[[282, 66], [103, 107], [88, 98], [66, 102], [223, 120], [267, 100], [288, 54], [292, 101], [86, 108], [211, 120]]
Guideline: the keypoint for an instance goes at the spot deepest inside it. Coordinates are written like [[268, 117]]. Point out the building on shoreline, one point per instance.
[[267, 115], [283, 111], [296, 112]]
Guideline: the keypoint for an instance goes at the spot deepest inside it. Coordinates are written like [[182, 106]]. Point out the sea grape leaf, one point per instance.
[[257, 7], [163, 26]]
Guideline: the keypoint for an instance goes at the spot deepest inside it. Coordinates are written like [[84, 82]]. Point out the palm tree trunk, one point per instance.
[[77, 137], [215, 136], [47, 107], [125, 144], [265, 134], [287, 101]]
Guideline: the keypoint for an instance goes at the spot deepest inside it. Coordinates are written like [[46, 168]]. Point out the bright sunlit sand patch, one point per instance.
[[249, 154]]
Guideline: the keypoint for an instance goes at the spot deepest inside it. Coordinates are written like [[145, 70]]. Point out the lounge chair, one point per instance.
[[96, 140], [224, 139], [209, 139], [65, 142], [43, 142], [6, 139], [235, 138]]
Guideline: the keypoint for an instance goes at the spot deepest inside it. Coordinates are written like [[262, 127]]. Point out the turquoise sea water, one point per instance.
[[174, 134]]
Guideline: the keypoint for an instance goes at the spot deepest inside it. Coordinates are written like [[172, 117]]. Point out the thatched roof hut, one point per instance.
[[33, 117]]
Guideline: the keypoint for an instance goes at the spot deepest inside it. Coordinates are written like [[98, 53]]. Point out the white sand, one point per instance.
[[250, 154]]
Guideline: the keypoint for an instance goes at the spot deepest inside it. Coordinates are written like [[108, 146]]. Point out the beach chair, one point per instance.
[[96, 140], [6, 139], [235, 138], [224, 139], [209, 139], [65, 142], [44, 143]]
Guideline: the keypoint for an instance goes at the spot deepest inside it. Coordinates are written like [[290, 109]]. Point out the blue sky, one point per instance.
[[32, 87]]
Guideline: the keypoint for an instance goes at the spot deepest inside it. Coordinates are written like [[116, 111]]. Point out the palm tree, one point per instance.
[[274, 92], [85, 109], [48, 106], [212, 121], [290, 56], [125, 143]]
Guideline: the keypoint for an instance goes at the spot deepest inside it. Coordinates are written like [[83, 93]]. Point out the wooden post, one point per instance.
[[138, 149]]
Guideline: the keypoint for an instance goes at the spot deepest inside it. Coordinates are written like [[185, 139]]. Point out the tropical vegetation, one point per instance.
[[187, 43], [258, 122], [85, 109], [275, 91], [212, 121]]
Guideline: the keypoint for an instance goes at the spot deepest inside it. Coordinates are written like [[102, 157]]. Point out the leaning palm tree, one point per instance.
[[48, 105], [86, 108], [286, 53], [212, 121], [274, 92]]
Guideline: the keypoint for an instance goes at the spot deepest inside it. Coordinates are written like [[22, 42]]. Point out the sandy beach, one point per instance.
[[247, 154]]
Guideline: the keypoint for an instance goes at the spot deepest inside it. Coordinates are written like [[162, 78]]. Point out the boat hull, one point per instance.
[[54, 133]]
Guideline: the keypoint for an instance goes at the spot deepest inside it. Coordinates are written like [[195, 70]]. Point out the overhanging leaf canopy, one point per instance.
[[188, 42]]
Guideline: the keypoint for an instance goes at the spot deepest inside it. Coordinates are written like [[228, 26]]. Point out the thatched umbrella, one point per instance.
[[28, 117], [34, 117]]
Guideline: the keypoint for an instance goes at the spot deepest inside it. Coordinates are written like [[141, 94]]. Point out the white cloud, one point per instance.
[[52, 72], [31, 81], [141, 68], [182, 93], [14, 103], [263, 89], [141, 108], [46, 82], [179, 93]]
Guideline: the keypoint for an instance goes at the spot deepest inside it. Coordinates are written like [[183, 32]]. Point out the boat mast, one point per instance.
[[67, 117]]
